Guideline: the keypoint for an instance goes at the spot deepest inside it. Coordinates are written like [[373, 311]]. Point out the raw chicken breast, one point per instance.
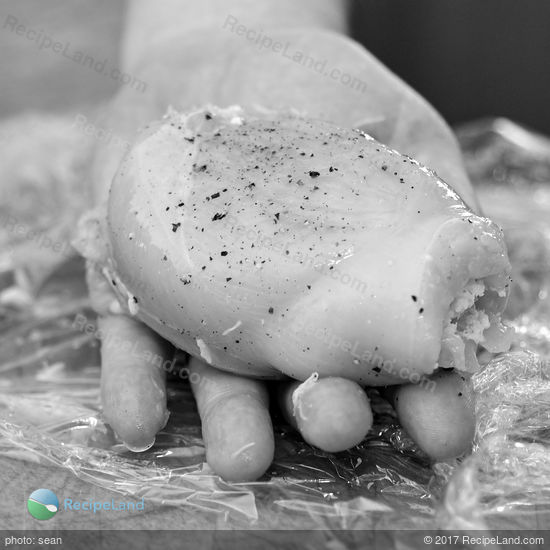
[[269, 243]]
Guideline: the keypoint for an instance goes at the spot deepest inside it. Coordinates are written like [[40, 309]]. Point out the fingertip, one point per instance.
[[139, 445], [438, 415], [141, 436], [239, 438], [133, 386], [236, 425], [333, 413], [136, 418]]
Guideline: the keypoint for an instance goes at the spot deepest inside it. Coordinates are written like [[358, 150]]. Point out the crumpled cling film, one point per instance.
[[49, 364]]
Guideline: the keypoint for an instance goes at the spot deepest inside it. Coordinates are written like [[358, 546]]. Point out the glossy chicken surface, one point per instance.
[[268, 243]]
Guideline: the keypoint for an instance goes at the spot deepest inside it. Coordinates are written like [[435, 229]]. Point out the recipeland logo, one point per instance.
[[44, 504]]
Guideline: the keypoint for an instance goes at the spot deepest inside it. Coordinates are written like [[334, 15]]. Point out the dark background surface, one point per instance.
[[469, 58]]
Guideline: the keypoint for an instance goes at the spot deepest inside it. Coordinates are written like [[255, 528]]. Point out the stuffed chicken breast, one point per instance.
[[272, 243]]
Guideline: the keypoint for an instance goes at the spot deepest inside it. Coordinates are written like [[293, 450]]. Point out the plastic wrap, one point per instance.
[[49, 384]]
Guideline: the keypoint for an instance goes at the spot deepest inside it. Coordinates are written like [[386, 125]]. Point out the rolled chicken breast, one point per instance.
[[270, 243]]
